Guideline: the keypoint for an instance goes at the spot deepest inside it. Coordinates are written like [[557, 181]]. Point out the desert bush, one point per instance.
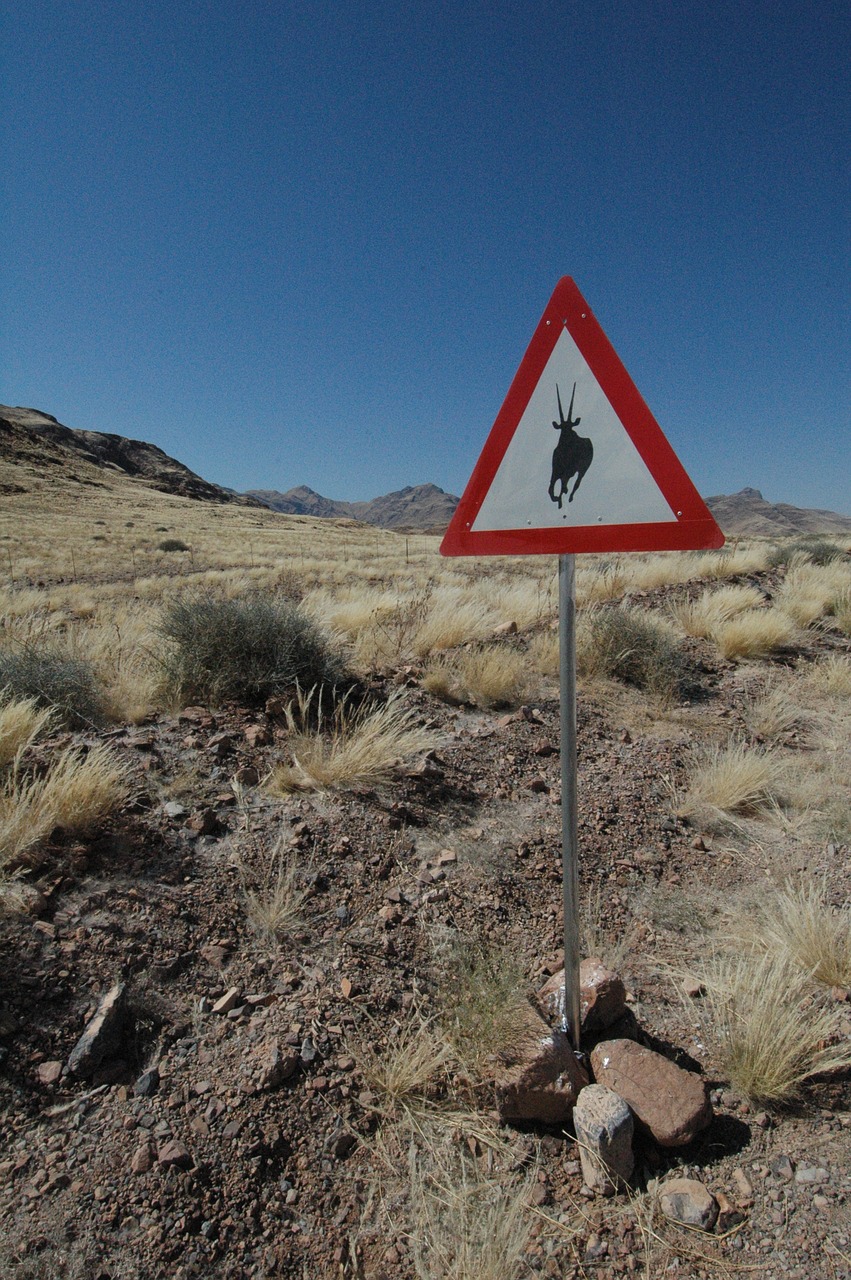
[[245, 649], [359, 746], [773, 714], [172, 544], [772, 1038], [20, 723], [733, 780], [53, 679], [77, 794], [630, 646]]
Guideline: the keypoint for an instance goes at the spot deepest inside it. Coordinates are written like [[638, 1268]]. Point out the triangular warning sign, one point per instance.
[[575, 460]]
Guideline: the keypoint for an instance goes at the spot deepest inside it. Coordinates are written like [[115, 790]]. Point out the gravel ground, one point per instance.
[[249, 1150]]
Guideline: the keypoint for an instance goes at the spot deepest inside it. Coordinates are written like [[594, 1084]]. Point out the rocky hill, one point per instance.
[[32, 442], [748, 514], [421, 507]]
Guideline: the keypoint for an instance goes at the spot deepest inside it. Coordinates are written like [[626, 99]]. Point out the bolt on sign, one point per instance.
[[608, 480]]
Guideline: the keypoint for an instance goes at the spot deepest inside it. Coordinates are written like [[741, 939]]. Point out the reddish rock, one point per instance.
[[257, 735], [143, 1157], [538, 1077], [173, 1153], [226, 1002], [275, 1065], [672, 1104], [48, 1072], [602, 997], [204, 822]]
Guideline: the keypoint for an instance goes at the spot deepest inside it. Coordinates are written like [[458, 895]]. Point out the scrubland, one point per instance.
[[715, 784]]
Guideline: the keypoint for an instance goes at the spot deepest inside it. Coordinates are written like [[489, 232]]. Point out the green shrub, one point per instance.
[[629, 645], [242, 650], [172, 544], [52, 679]]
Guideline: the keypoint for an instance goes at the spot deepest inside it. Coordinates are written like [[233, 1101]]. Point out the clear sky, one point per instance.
[[309, 243]]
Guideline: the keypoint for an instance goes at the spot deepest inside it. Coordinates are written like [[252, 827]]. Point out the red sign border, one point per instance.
[[694, 528]]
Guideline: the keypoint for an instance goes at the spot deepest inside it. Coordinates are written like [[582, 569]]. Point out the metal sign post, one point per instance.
[[570, 853]]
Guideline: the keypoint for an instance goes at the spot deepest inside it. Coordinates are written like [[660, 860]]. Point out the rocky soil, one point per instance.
[[222, 1125]]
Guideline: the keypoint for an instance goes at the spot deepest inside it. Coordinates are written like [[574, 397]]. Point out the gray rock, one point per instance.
[[102, 1035], [687, 1201], [147, 1084], [604, 1128], [810, 1176]]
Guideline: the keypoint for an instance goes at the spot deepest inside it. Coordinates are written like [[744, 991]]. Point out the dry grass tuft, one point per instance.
[[831, 675], [274, 902], [736, 779], [756, 633], [483, 992], [411, 1067], [21, 721], [362, 746], [769, 1043], [77, 794], [489, 675], [810, 591], [466, 1223], [800, 922], [629, 645], [703, 616], [774, 714], [544, 653]]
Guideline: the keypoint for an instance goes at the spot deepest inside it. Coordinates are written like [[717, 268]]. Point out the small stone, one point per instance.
[[247, 776], [203, 821], [147, 1084], [602, 998], [48, 1073], [102, 1034], [821, 1202], [604, 1127], [783, 1169], [174, 1154], [728, 1215], [276, 1065], [693, 987], [809, 1176], [505, 629], [174, 809], [744, 1187], [143, 1157], [226, 1002], [257, 735], [688, 1201]]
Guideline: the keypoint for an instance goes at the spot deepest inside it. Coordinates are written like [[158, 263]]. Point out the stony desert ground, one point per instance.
[[319, 922]]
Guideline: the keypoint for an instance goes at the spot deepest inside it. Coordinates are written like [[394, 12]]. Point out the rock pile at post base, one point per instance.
[[540, 1078]]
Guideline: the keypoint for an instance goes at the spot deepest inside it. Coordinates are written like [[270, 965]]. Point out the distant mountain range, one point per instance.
[[35, 444], [421, 507]]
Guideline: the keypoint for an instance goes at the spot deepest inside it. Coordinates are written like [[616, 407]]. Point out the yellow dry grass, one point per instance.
[[77, 794], [362, 746], [274, 899], [756, 633], [703, 616], [488, 675], [771, 1039], [809, 591], [736, 779], [21, 721]]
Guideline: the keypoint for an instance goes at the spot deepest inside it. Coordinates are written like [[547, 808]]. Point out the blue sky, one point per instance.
[[308, 244]]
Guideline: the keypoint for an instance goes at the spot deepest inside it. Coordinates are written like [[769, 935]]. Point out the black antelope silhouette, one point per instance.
[[572, 455]]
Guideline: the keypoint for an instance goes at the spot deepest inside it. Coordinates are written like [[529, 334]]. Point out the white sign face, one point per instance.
[[605, 480]]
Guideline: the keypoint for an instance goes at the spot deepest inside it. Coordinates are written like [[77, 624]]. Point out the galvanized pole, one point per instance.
[[570, 853]]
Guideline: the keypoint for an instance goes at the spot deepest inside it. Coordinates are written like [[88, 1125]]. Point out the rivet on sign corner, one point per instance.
[[584, 315], [679, 515]]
